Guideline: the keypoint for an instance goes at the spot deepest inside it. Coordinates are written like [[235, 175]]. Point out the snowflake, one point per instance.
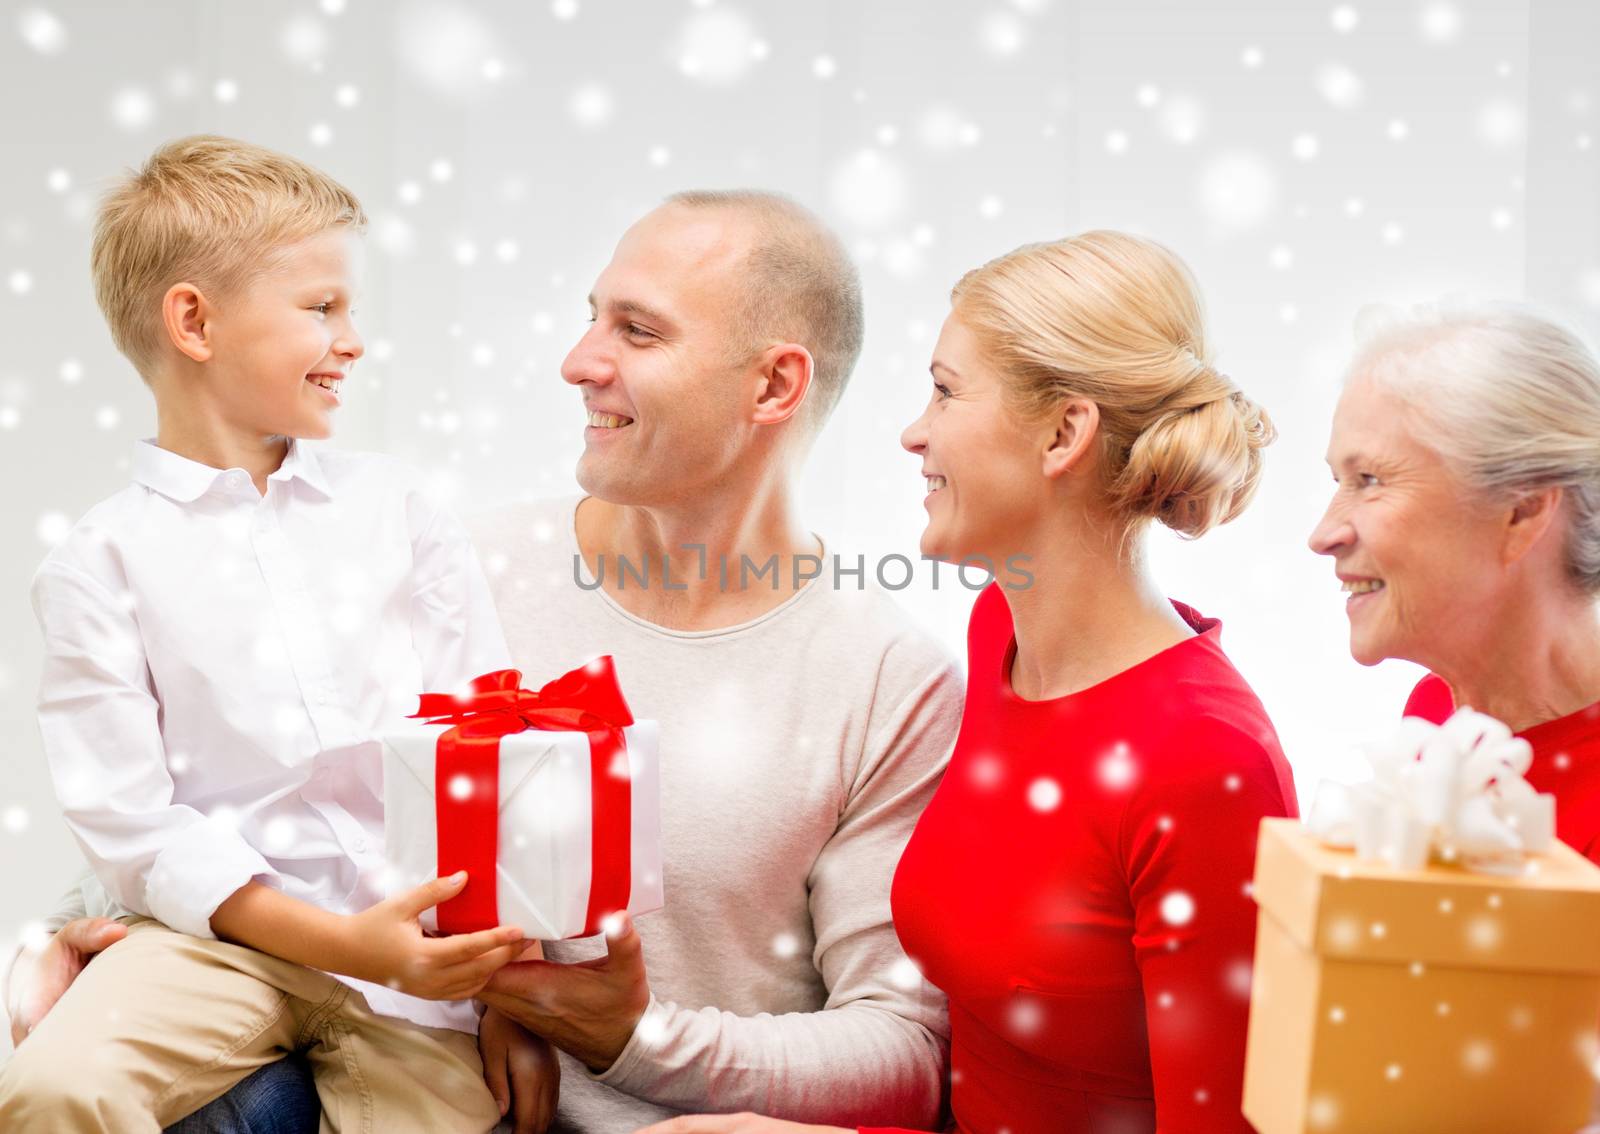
[[1336, 1015], [1025, 1017], [1002, 34], [1484, 933], [1344, 19], [320, 134], [1343, 934], [347, 95], [652, 1027], [304, 40], [1439, 22], [1177, 908], [278, 835], [564, 9], [444, 46], [52, 528], [718, 47], [58, 180], [1182, 119], [1500, 123], [986, 771], [1392, 1072], [107, 417], [225, 90], [1398, 130], [1044, 794], [1117, 769], [42, 31], [869, 190], [1340, 86], [659, 156], [943, 128], [1238, 190], [591, 105], [1305, 146], [14, 819], [1238, 978], [824, 67], [1322, 1112], [132, 108], [905, 975], [990, 207], [1251, 58], [1147, 95], [1117, 141], [1477, 1056]]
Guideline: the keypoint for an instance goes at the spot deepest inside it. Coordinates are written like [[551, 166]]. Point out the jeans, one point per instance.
[[280, 1098]]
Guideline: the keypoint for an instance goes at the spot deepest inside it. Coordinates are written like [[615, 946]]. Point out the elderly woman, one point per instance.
[[1466, 527], [1077, 886]]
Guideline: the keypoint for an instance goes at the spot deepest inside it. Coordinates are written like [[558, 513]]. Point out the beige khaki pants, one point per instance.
[[161, 1023]]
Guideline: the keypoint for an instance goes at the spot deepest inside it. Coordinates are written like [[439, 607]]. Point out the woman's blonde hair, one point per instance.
[[1508, 397], [207, 210], [1117, 319]]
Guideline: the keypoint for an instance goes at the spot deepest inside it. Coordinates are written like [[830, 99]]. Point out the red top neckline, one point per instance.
[[1207, 634]]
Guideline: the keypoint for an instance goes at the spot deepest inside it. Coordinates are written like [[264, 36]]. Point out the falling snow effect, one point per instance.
[[1290, 216]]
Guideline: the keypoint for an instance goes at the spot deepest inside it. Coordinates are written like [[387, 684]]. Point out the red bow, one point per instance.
[[467, 782]]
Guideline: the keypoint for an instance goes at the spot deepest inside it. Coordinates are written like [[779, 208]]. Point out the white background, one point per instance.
[[1306, 158]]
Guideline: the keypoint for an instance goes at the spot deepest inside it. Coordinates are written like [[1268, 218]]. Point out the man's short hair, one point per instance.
[[800, 286], [207, 210]]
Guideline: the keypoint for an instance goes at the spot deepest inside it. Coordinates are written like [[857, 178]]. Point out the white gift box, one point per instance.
[[545, 835]]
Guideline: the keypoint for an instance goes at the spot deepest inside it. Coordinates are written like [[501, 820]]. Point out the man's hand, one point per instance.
[[385, 944], [736, 1124], [589, 1009], [521, 1070], [40, 979]]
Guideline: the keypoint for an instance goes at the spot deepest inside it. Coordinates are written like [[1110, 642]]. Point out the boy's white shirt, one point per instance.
[[219, 663]]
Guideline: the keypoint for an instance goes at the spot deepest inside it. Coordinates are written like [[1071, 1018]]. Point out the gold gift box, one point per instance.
[[1410, 1001]]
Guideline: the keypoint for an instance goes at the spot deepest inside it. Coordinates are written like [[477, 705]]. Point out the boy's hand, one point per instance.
[[385, 944], [41, 978], [521, 1071]]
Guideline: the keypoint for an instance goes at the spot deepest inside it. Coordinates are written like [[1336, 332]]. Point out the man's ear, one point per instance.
[[185, 315], [1076, 426], [785, 372], [1529, 519]]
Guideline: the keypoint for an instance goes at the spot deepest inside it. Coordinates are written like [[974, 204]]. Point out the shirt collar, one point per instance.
[[185, 481]]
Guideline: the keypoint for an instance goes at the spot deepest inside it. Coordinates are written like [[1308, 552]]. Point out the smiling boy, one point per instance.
[[223, 640]]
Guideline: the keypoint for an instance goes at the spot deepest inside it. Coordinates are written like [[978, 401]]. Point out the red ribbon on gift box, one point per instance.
[[467, 782]]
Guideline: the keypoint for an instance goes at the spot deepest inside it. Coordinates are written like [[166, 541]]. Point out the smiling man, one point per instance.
[[803, 724]]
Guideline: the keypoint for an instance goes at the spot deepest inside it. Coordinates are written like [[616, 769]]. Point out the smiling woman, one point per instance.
[[1466, 527]]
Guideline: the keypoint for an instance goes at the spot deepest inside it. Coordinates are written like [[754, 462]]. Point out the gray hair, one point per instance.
[[800, 286], [1510, 398]]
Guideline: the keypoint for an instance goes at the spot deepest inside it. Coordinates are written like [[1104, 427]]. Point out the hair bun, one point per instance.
[[1197, 466]]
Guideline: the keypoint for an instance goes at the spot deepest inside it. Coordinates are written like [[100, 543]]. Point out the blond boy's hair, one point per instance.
[[206, 210]]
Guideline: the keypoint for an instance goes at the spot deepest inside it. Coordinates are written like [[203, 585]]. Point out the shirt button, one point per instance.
[[323, 696], [236, 479], [359, 846]]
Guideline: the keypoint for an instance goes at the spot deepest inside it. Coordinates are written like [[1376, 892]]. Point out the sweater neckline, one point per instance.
[[617, 610]]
